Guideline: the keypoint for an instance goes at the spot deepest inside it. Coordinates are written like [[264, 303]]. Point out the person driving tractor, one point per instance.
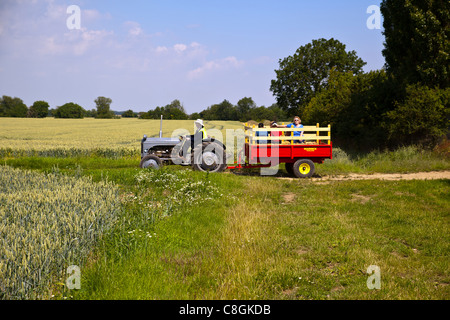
[[196, 138]]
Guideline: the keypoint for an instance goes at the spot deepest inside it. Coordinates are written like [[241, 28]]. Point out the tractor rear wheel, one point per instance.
[[303, 168], [208, 156], [151, 161]]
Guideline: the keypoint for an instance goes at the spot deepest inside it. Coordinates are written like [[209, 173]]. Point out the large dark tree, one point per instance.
[[69, 110], [305, 73], [39, 109], [12, 107], [417, 41]]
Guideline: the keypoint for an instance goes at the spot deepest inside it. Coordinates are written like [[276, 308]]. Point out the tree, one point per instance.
[[416, 47], [327, 106], [244, 106], [70, 110], [39, 109], [304, 74], [355, 106], [175, 110], [12, 107], [103, 108], [221, 111], [194, 116], [423, 117], [128, 114]]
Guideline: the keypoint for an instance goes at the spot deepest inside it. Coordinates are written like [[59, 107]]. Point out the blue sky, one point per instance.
[[144, 54]]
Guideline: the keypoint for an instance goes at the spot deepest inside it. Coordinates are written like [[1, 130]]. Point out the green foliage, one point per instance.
[[221, 111], [39, 109], [304, 74], [174, 111], [326, 107], [69, 110], [103, 108], [128, 114], [244, 106], [416, 41], [423, 116], [245, 110], [12, 107], [355, 106]]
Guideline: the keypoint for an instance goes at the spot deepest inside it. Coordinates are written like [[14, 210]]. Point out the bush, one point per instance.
[[70, 110]]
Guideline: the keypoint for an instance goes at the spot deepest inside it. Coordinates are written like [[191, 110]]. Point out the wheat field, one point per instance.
[[105, 137], [48, 222]]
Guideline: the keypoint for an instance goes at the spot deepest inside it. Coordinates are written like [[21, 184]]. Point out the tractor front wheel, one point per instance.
[[151, 161]]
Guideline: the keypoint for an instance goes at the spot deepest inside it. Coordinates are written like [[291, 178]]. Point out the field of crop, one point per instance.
[[85, 137], [179, 234], [48, 222]]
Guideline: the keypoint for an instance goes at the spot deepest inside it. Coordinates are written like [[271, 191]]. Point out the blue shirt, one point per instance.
[[296, 133]]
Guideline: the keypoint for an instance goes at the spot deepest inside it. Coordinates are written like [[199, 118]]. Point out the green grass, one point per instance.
[[284, 240], [193, 235]]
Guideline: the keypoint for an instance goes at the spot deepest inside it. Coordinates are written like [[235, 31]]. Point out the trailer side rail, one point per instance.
[[311, 135]]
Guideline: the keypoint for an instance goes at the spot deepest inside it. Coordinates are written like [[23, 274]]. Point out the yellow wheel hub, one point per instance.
[[304, 168]]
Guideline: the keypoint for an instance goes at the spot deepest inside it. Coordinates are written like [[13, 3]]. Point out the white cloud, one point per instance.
[[215, 65], [134, 28], [161, 49], [179, 47]]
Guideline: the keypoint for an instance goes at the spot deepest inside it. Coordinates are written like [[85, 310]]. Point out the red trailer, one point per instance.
[[265, 147]]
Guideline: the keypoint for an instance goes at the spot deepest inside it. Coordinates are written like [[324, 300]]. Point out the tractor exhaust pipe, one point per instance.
[[160, 128]]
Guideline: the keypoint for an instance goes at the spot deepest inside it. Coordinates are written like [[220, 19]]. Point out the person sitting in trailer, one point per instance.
[[261, 134], [297, 123], [273, 124]]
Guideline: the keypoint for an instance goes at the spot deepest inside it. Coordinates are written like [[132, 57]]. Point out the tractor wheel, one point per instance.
[[208, 156], [303, 168], [151, 161], [289, 168]]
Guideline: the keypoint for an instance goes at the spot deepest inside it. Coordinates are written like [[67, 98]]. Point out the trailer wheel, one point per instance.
[[208, 156], [303, 168], [151, 161]]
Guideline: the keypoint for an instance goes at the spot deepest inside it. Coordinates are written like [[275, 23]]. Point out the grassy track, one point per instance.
[[278, 239]]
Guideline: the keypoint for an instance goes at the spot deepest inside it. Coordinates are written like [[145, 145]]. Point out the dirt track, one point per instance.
[[432, 175]]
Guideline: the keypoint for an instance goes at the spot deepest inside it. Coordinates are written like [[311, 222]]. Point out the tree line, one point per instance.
[[245, 110], [15, 107]]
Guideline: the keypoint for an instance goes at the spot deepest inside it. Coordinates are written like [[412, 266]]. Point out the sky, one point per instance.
[[143, 53]]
